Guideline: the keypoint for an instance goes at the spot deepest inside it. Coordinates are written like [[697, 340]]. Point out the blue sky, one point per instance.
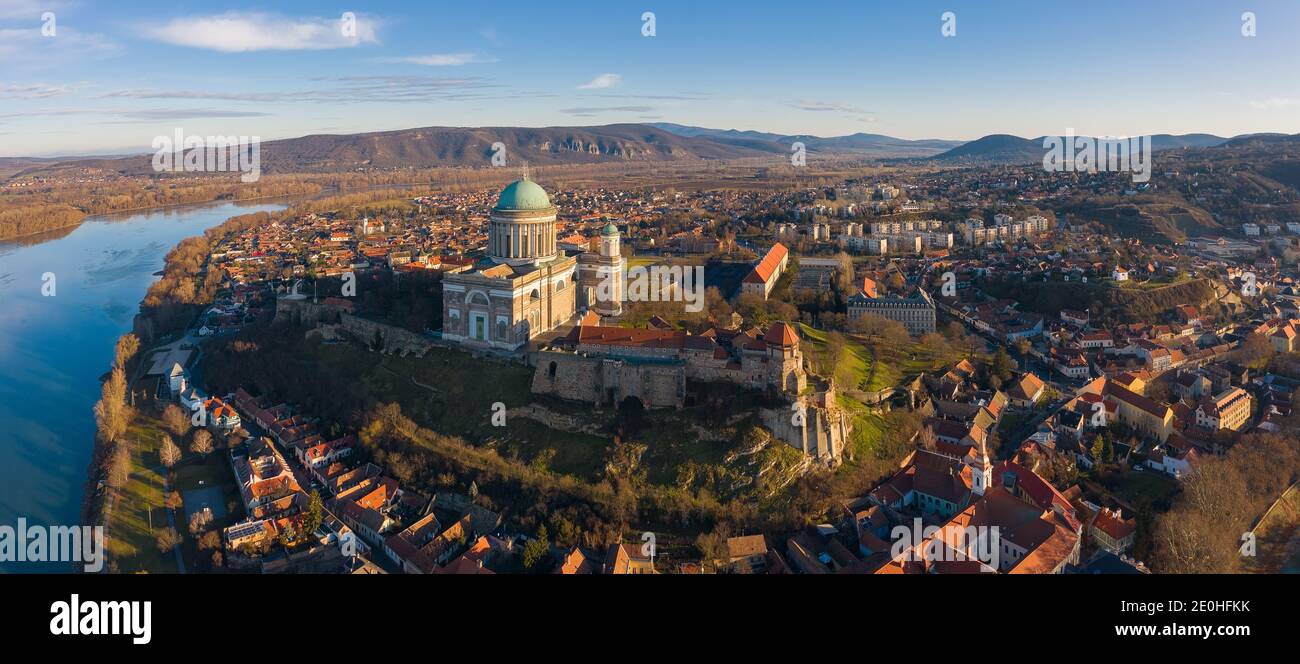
[[114, 75]]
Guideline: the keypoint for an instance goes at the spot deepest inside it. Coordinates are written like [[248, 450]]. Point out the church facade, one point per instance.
[[527, 285]]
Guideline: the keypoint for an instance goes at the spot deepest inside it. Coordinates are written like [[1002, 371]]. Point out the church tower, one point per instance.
[[602, 274], [981, 471]]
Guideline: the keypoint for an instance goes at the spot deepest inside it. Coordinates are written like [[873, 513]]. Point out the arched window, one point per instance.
[[535, 295], [478, 298], [559, 285], [551, 370]]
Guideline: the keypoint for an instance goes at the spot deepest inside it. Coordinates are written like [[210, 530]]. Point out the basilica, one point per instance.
[[528, 284]]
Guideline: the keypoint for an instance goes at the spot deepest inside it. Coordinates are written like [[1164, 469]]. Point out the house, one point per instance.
[[575, 561], [1026, 390], [177, 379], [221, 415], [1109, 530], [1039, 531], [762, 279], [263, 476], [325, 453], [1132, 408], [1286, 338], [628, 559], [1100, 339], [1229, 409], [485, 551], [424, 546], [1119, 273], [366, 508], [1173, 461], [1191, 386], [747, 554], [1077, 318]]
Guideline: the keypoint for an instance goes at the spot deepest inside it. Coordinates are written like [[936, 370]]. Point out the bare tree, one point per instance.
[[112, 415], [119, 466], [167, 540], [201, 444], [175, 420], [200, 522], [168, 452], [127, 346]]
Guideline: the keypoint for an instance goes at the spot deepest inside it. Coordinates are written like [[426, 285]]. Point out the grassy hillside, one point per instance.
[[1105, 301], [1160, 220]]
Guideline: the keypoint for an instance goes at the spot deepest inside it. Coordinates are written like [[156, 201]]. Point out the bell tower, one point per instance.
[[981, 471]]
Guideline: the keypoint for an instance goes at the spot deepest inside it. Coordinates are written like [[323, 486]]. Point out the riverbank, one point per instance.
[[57, 343], [321, 191]]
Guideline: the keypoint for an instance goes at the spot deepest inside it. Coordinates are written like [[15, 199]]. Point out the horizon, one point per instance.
[[144, 151], [229, 69]]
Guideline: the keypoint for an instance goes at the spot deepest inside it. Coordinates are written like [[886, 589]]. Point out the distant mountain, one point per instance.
[[1172, 141], [1263, 139], [1008, 149], [876, 145], [460, 146], [995, 148]]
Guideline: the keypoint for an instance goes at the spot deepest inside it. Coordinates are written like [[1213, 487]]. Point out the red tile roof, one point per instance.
[[768, 266], [781, 335]]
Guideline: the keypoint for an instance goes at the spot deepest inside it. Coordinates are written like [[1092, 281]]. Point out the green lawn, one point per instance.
[[863, 368], [854, 371], [1143, 487], [139, 513], [868, 427], [643, 261]]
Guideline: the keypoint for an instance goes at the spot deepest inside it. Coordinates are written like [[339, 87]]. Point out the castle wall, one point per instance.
[[824, 431], [607, 381]]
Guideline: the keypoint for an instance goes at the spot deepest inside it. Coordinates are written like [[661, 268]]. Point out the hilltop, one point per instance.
[[1009, 149], [427, 147]]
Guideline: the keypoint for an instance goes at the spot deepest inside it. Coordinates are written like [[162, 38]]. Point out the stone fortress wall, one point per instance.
[[608, 381]]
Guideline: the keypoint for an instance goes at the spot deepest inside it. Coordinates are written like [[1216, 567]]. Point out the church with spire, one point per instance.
[[527, 284]]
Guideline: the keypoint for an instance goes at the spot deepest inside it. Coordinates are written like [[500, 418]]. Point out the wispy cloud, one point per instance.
[[340, 89], [601, 82], [31, 49], [826, 106], [438, 59], [586, 111], [1273, 104], [167, 114], [28, 9], [851, 111], [34, 91], [132, 116], [241, 32]]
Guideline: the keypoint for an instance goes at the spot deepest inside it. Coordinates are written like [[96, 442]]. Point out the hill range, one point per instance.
[[429, 147]]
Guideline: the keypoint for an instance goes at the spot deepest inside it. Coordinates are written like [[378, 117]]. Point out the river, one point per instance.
[[54, 348]]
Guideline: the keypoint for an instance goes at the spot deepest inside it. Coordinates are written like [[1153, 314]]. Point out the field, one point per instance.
[[873, 368], [138, 514]]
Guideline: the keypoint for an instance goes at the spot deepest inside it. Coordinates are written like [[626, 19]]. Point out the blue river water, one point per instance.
[[53, 349]]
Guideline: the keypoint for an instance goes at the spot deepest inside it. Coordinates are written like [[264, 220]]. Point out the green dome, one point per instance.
[[610, 229], [523, 195]]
